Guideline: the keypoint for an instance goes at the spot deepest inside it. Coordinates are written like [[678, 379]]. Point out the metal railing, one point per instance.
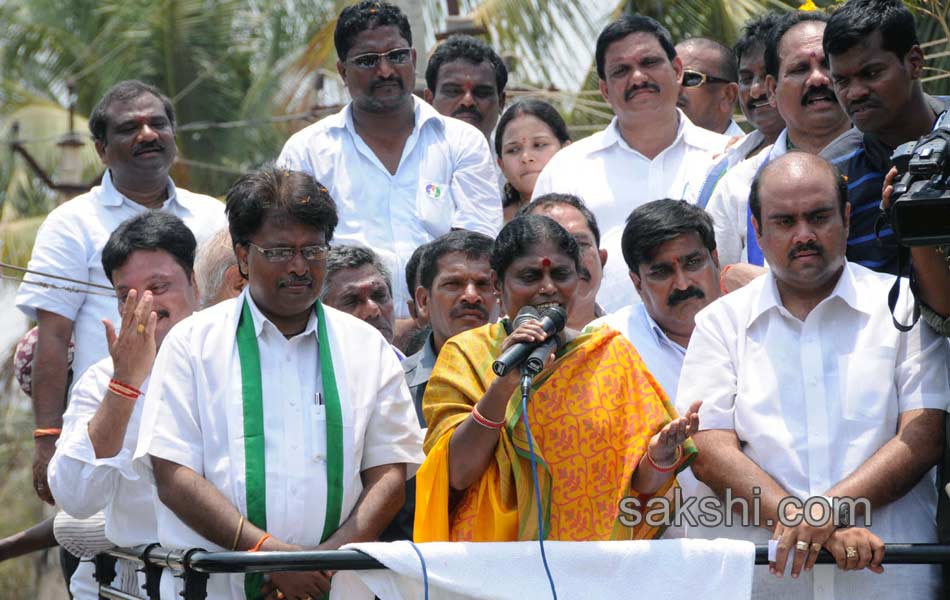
[[195, 565]]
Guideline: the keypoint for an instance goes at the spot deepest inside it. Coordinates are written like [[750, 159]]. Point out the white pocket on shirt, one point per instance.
[[866, 385], [434, 206], [318, 432]]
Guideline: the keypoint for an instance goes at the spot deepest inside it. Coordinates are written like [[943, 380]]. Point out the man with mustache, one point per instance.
[[709, 90], [401, 173], [454, 295], [273, 422], [670, 249], [809, 391], [358, 283], [799, 86], [466, 79], [650, 150], [876, 66], [133, 126]]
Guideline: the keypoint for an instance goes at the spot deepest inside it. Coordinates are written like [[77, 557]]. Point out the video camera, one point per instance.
[[920, 205]]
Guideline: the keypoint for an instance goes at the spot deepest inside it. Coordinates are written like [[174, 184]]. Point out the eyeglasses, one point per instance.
[[693, 78], [370, 60], [280, 255]]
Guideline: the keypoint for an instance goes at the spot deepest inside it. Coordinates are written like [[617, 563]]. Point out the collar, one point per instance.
[[686, 131], [424, 363], [845, 289], [260, 321], [780, 146], [656, 331], [423, 113], [110, 196]]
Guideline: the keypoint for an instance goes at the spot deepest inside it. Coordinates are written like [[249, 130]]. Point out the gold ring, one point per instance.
[[140, 328], [815, 547], [851, 552], [801, 546]]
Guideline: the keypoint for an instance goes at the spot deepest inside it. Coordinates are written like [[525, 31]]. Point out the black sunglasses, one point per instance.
[[693, 78]]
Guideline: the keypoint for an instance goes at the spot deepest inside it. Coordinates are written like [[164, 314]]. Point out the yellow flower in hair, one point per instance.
[[808, 5]]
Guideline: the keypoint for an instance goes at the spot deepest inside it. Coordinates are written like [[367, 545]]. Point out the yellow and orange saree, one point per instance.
[[592, 414]]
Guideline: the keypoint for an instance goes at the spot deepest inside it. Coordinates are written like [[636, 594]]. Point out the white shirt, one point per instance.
[[662, 356], [729, 204], [83, 484], [446, 180], [69, 243], [812, 401], [734, 130], [613, 179], [193, 416]]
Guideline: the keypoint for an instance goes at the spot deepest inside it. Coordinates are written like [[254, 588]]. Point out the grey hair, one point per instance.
[[215, 256], [353, 257]]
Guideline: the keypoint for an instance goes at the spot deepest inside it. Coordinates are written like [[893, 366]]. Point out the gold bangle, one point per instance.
[[237, 534]]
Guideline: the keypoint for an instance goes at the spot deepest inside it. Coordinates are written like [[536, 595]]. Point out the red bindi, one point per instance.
[[545, 262]]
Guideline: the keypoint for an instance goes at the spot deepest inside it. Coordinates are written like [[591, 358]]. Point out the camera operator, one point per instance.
[[876, 65], [932, 269]]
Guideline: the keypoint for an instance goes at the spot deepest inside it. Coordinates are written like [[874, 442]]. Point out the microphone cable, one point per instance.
[[525, 388]]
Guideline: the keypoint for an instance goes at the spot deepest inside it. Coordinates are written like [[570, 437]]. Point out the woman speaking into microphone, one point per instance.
[[601, 429]]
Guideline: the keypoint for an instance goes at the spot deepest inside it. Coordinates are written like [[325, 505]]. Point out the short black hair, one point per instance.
[[412, 269], [473, 245], [124, 91], [852, 23], [787, 22], [471, 50], [755, 34], [755, 199], [728, 67], [554, 199], [151, 230], [293, 193], [628, 25], [368, 14], [538, 109], [354, 257], [523, 233], [658, 222]]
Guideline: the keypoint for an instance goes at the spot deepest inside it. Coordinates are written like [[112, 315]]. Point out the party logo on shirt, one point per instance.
[[434, 191]]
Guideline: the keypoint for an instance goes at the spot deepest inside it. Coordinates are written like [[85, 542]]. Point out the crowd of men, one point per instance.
[[232, 402]]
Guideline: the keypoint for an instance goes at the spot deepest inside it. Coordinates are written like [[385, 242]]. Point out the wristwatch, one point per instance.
[[841, 516]]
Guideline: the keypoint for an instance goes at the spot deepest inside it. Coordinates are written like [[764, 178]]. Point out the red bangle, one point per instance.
[[722, 274], [48, 432], [670, 468], [260, 542], [485, 422], [126, 391]]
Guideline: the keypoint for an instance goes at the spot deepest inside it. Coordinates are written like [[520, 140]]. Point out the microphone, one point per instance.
[[535, 361], [552, 321]]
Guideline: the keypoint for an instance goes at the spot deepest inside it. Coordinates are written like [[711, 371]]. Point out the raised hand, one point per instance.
[[664, 445], [133, 349]]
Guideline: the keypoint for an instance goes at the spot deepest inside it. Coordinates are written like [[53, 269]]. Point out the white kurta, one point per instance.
[[83, 484], [446, 179], [613, 179], [193, 416], [69, 243], [812, 401]]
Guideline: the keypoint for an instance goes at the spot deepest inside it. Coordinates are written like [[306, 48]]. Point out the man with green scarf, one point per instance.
[[274, 423]]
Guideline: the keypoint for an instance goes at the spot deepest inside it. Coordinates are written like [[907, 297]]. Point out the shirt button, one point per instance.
[[293, 490]]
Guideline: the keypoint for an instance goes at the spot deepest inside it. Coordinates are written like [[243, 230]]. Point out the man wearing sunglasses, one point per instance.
[[708, 91], [401, 173]]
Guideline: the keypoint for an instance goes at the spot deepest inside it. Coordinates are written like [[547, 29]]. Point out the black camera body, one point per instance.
[[920, 205]]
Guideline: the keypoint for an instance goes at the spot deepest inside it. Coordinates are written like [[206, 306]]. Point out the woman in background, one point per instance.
[[529, 133]]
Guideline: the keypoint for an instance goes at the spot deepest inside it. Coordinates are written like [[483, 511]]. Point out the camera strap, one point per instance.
[[903, 258]]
